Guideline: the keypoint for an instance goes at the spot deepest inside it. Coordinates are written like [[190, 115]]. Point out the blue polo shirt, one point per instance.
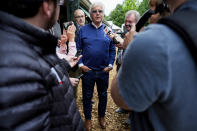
[[98, 49]]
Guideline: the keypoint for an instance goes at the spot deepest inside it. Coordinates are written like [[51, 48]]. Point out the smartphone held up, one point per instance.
[[67, 24], [78, 53]]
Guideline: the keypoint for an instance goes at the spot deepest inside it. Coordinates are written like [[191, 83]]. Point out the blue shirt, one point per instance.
[[159, 76], [98, 49]]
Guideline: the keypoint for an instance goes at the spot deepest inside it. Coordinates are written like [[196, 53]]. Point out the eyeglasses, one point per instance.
[[99, 11], [79, 16]]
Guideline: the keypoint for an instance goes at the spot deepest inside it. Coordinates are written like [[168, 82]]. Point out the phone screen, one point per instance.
[[78, 53], [80, 76]]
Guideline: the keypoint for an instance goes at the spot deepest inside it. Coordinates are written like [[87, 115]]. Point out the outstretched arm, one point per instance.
[[116, 96]]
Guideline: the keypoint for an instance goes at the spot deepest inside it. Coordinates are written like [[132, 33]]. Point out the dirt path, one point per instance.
[[115, 122]]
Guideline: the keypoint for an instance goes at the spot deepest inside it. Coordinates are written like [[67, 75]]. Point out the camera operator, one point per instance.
[[131, 18]]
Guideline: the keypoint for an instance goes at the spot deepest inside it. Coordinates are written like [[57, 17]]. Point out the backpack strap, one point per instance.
[[184, 23]]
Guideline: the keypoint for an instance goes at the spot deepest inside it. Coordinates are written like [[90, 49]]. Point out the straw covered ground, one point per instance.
[[115, 121]]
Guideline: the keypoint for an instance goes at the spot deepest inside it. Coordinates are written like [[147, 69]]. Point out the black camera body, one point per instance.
[[115, 41], [67, 24], [159, 9], [108, 32], [122, 34]]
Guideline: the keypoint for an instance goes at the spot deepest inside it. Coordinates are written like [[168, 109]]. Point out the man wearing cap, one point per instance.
[[35, 91]]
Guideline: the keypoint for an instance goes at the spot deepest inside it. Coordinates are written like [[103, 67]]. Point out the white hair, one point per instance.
[[136, 13], [96, 4]]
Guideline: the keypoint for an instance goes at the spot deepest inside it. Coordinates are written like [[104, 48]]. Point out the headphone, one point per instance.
[[159, 9]]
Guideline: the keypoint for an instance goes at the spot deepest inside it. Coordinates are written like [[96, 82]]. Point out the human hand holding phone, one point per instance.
[[74, 81], [78, 77], [78, 53], [71, 33]]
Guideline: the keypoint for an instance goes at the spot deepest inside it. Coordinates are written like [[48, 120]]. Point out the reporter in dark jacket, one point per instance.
[[35, 91]]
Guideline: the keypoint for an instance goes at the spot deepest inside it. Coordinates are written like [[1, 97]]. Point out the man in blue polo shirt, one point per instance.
[[98, 53], [158, 77]]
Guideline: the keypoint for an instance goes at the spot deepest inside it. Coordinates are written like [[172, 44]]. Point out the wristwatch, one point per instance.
[[110, 67]]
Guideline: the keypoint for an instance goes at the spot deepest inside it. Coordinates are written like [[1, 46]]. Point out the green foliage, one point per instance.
[[130, 5], [118, 14], [106, 17]]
